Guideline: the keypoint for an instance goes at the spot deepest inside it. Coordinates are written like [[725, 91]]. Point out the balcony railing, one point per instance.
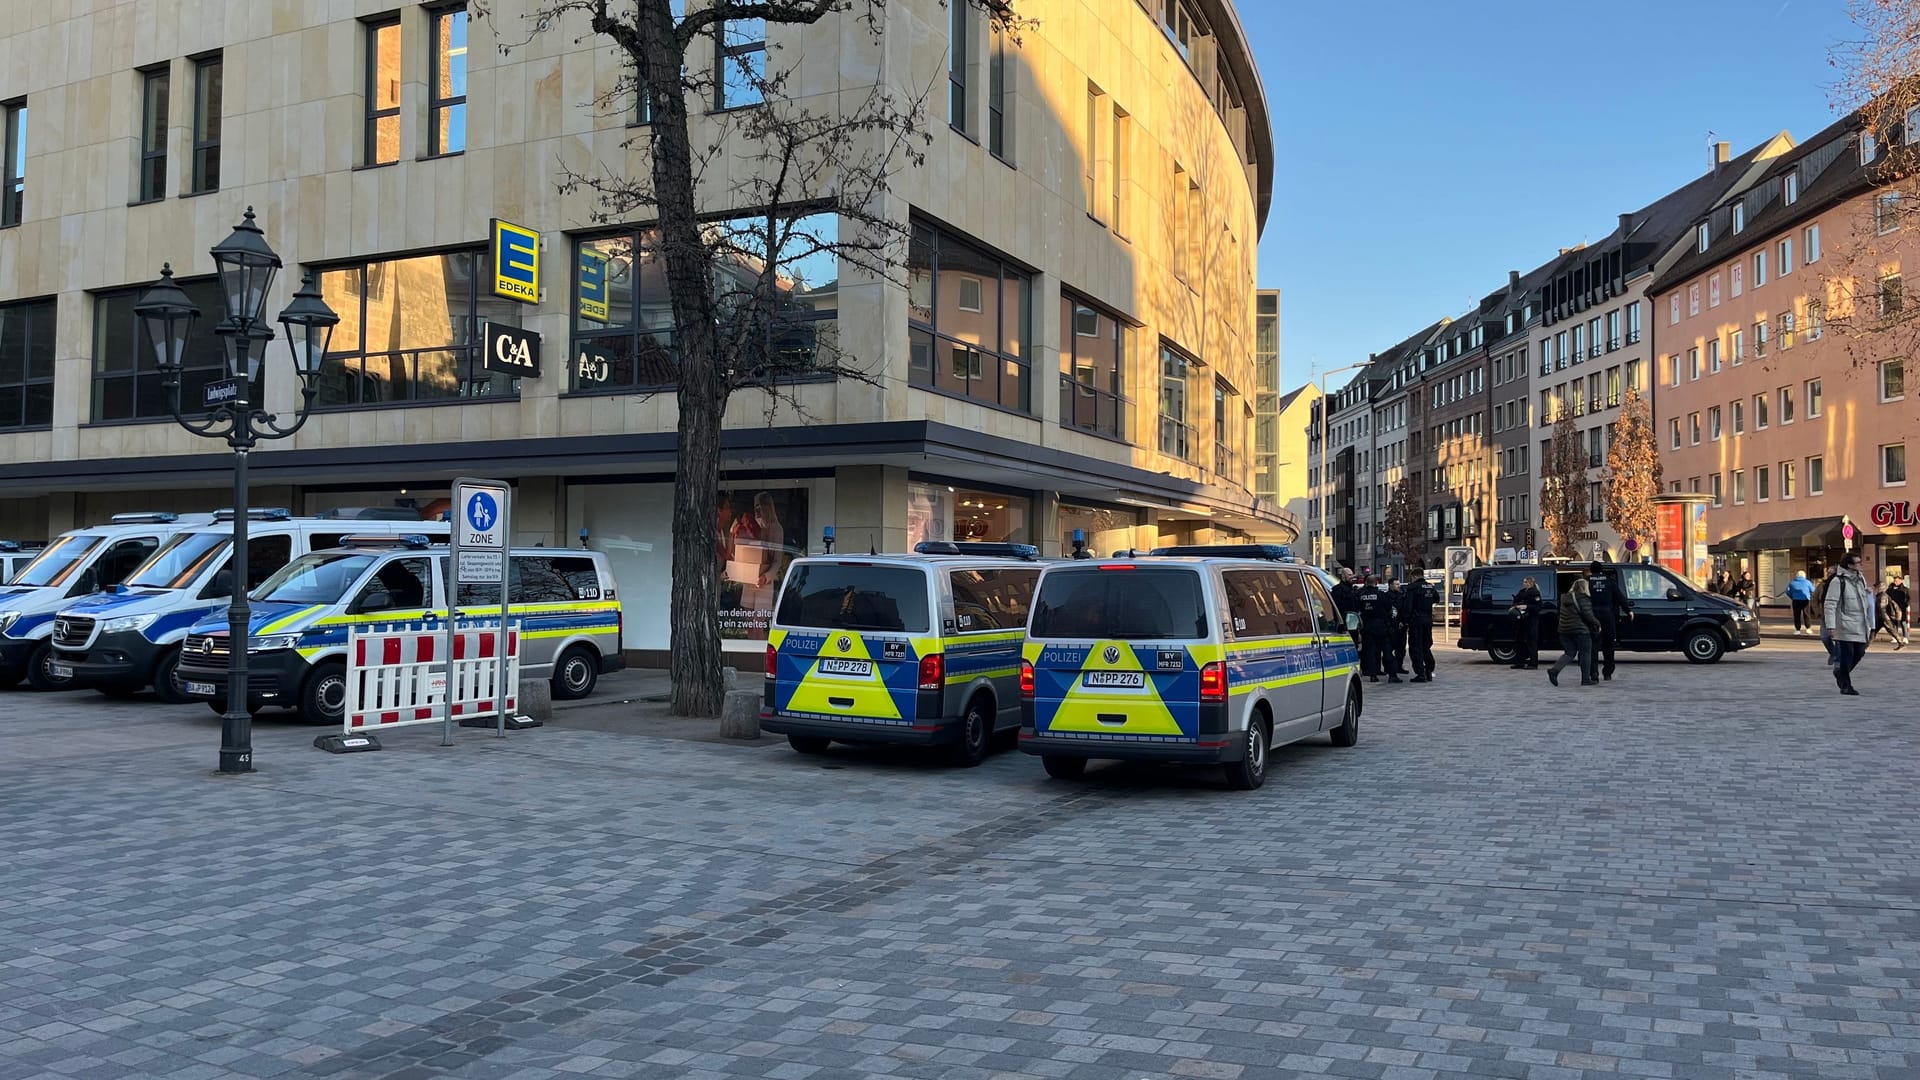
[[1178, 439], [1085, 407], [1226, 463]]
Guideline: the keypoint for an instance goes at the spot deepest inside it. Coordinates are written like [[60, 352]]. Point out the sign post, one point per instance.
[[481, 519], [1459, 561], [1847, 531]]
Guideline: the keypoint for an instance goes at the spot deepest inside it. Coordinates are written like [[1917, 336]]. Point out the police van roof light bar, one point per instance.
[[416, 541], [258, 513], [1268, 552], [143, 517], [974, 547]]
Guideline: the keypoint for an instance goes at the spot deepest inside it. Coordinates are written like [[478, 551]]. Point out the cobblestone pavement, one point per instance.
[[1689, 872]]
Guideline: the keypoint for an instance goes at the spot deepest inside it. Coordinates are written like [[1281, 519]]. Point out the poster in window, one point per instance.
[[760, 533]]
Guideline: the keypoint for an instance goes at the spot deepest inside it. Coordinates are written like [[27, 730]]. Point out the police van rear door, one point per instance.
[[847, 639]]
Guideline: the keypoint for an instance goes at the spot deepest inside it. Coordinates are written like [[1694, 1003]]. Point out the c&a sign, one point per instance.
[[1894, 515]]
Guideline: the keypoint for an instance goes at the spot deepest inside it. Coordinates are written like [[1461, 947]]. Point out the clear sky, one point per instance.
[[1427, 148]]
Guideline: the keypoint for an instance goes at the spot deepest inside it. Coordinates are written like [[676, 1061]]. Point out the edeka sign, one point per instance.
[[1894, 515], [593, 286], [516, 262], [510, 350]]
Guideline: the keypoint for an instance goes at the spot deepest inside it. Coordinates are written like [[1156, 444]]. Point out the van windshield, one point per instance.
[[58, 562], [179, 560], [1125, 604], [320, 578], [855, 596]]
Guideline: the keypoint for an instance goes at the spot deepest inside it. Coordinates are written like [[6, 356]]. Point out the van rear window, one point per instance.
[[1127, 605], [842, 596]]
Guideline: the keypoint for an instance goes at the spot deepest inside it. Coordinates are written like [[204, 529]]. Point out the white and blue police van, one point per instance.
[[74, 564], [128, 638]]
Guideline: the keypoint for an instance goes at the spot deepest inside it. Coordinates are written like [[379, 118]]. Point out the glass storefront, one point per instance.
[[937, 511], [1108, 530]]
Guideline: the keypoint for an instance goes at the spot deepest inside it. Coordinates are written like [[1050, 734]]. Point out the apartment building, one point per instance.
[[1513, 315], [1455, 388]]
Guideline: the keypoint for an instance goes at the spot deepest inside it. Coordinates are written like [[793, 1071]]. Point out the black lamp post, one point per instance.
[[233, 410]]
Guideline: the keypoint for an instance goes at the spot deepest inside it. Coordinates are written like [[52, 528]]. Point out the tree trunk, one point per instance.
[[695, 614]]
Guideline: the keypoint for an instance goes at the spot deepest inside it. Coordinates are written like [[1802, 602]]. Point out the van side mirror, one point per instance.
[[1675, 594], [1353, 621]]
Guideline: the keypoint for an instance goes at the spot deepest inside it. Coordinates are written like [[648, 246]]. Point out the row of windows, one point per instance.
[[446, 85], [1736, 272], [1516, 508], [1599, 390], [1737, 410], [1787, 331], [1893, 462], [1582, 342], [1465, 384]]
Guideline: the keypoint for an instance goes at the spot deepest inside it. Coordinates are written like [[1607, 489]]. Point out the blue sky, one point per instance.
[[1425, 149]]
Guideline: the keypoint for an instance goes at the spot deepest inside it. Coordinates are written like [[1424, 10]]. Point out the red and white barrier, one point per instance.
[[398, 676]]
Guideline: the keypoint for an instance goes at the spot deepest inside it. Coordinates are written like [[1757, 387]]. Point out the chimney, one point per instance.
[[1513, 279], [1720, 152], [1626, 225]]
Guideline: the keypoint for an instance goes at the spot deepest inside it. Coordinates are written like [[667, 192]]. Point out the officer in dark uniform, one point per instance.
[[1417, 601], [1346, 598], [1609, 603], [1398, 658], [1376, 629]]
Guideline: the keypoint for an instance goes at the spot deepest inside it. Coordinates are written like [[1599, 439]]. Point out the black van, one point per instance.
[[1669, 614]]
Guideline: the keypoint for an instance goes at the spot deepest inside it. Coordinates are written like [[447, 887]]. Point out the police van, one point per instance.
[[920, 649], [14, 556], [74, 564], [1184, 659], [124, 640], [565, 601]]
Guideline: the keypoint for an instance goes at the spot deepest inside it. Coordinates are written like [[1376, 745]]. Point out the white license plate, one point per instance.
[[200, 688], [1128, 680], [60, 671], [860, 669]]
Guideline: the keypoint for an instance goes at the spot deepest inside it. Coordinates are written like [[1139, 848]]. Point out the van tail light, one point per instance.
[[1026, 681], [773, 662], [1213, 682], [933, 672]]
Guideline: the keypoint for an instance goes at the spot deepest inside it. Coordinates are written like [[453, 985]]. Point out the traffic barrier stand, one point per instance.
[[398, 676]]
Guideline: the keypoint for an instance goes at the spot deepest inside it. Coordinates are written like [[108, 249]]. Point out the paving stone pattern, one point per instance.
[[1690, 872]]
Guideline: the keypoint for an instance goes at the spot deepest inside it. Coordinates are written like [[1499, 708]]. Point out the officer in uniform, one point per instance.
[[1399, 636], [1346, 598], [1376, 629], [1609, 603], [1416, 621]]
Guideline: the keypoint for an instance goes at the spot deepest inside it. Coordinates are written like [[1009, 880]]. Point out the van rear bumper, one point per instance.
[[918, 733], [1211, 749]]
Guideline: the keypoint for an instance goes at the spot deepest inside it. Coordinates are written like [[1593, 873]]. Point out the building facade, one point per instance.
[[1267, 456], [1089, 206], [1294, 420]]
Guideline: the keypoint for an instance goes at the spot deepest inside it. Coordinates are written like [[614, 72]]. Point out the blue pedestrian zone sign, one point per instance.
[[482, 512], [593, 286], [516, 262]]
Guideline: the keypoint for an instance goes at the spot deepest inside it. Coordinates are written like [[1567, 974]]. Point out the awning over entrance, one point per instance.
[[1778, 535]]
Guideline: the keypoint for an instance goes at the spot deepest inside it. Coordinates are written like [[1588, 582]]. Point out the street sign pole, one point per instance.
[[481, 522]]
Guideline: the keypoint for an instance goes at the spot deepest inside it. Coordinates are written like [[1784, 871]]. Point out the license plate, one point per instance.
[[851, 668], [200, 688], [1128, 680], [60, 671]]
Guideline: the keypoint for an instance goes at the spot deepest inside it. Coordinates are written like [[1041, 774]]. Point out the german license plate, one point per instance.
[[200, 688], [1125, 680], [856, 669], [60, 671]]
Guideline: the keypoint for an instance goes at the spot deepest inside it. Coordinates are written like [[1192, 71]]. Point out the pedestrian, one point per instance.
[[1525, 613], [1898, 610], [1746, 592], [1578, 627], [1398, 636], [1800, 592], [1846, 619], [1416, 615], [1346, 598], [1610, 603], [1376, 630]]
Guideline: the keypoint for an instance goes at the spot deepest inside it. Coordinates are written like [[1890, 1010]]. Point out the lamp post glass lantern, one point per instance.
[[247, 266]]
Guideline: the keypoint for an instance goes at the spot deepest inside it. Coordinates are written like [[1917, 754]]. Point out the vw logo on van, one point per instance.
[[1112, 654], [845, 643], [206, 646]]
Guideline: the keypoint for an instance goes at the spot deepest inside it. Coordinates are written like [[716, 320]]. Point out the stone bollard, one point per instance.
[[740, 715], [536, 700]]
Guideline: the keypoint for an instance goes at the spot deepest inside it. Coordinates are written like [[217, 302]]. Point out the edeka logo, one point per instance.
[[516, 262], [1895, 515], [593, 286]]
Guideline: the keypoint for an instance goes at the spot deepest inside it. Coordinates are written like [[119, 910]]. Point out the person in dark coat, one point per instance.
[[1610, 603], [1346, 597], [1416, 617], [1376, 629], [1398, 636], [1526, 628], [1578, 625]]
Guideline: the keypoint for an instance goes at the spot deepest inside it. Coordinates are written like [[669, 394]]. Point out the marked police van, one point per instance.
[[121, 641], [74, 564], [1184, 659], [917, 650], [565, 601]]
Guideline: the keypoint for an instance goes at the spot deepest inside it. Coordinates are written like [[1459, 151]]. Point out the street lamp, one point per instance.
[[233, 409]]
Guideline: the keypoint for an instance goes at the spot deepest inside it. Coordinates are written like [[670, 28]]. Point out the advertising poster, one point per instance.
[[1672, 543], [1702, 562], [761, 532]]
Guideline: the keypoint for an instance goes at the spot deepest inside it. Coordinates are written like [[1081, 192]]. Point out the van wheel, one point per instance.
[[1705, 646], [976, 731], [40, 672], [1250, 771], [1348, 732], [575, 674], [166, 680], [1063, 768], [809, 744], [324, 699], [1503, 654]]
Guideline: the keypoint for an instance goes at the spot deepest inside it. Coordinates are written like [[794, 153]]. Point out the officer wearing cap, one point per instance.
[[1609, 603]]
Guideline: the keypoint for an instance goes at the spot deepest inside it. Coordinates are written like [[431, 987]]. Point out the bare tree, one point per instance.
[[1563, 487], [801, 183], [1405, 527], [1633, 471]]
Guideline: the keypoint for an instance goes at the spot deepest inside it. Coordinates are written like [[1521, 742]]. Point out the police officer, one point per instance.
[[1416, 620], [1376, 629], [1346, 598], [1399, 636], [1609, 603]]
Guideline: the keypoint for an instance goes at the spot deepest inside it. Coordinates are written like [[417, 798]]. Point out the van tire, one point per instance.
[[166, 680], [1503, 654], [323, 700], [575, 674], [976, 734], [1705, 646], [809, 744], [1251, 770], [39, 676], [1348, 732], [1063, 768]]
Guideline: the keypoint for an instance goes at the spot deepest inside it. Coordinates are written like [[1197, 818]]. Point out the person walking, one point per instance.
[[1578, 627], [1610, 603], [1376, 628], [1398, 636], [1526, 630], [1416, 616], [1800, 593], [1897, 612], [1846, 619]]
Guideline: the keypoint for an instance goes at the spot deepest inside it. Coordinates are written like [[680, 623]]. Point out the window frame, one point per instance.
[[1073, 387], [13, 162], [1179, 431], [29, 309], [371, 113], [723, 54], [1816, 474], [152, 188], [1895, 363], [1884, 457], [936, 239], [203, 360], [206, 149], [999, 94], [436, 103], [959, 25]]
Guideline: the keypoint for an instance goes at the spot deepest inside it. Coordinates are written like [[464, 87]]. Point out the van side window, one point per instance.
[[400, 585], [991, 599], [1643, 583], [1500, 586], [1326, 615], [324, 541], [551, 579], [265, 556], [1296, 617], [122, 559], [1253, 602]]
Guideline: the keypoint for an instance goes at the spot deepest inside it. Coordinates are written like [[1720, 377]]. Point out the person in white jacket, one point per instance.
[[1846, 619]]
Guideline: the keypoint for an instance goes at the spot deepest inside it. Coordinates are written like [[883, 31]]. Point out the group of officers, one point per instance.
[[1396, 624]]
